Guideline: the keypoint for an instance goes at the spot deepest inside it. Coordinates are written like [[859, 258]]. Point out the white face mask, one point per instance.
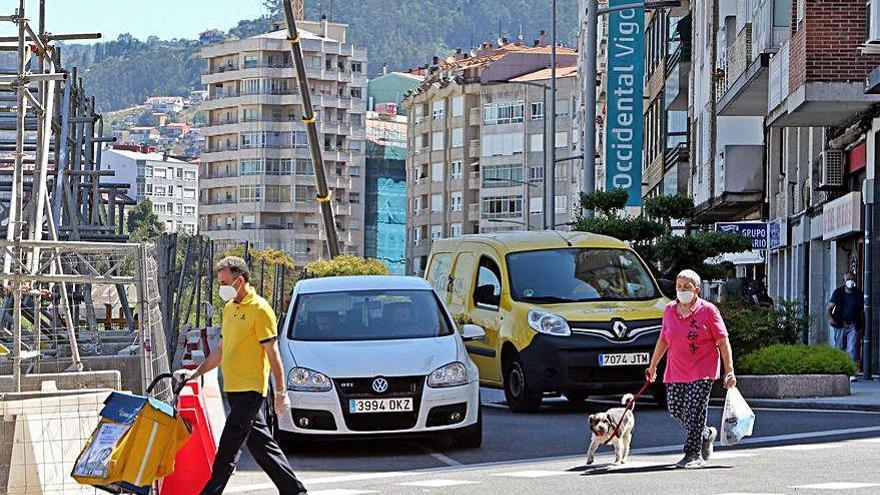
[[850, 284], [686, 296], [227, 292]]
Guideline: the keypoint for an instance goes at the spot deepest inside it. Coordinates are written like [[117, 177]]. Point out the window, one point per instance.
[[509, 143], [250, 166], [357, 92], [189, 210], [148, 171], [436, 232], [159, 173], [487, 293], [562, 108], [536, 142], [458, 106], [502, 207], [417, 204], [437, 110], [250, 194], [149, 189], [159, 208], [455, 230], [502, 175], [536, 173], [189, 193], [508, 112], [455, 201], [419, 142], [538, 110], [278, 194], [159, 190], [536, 205], [357, 66], [457, 137], [437, 172], [561, 139], [455, 170], [354, 198], [189, 175], [304, 167], [437, 141], [561, 204], [356, 120], [437, 203], [416, 235]]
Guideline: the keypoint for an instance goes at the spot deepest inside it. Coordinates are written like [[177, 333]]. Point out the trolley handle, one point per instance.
[[176, 385]]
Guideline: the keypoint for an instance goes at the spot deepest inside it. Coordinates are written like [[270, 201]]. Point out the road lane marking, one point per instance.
[[845, 485], [327, 479], [530, 474], [342, 491], [807, 447], [445, 459], [438, 483], [749, 493], [730, 454]]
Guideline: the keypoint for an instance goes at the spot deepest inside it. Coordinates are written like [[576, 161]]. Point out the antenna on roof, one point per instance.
[[561, 236]]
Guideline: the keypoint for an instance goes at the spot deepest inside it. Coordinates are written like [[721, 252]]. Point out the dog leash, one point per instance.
[[629, 406]]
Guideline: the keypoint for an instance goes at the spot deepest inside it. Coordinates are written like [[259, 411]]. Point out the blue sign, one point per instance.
[[756, 231], [624, 127]]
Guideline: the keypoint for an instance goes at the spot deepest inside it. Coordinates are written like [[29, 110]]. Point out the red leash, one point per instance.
[[629, 406]]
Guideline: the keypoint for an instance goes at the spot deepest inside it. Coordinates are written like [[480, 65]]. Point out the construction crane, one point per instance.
[[310, 120]]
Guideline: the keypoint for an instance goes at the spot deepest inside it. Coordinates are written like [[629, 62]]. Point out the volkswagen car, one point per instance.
[[375, 355]]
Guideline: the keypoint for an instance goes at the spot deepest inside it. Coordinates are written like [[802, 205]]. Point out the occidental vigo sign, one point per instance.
[[624, 132]]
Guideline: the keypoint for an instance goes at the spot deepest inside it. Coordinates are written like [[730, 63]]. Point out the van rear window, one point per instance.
[[579, 275]]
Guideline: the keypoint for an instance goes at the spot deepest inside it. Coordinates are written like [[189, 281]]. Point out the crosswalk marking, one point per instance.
[[342, 491], [729, 455], [438, 483], [843, 485], [749, 493], [530, 474], [804, 447]]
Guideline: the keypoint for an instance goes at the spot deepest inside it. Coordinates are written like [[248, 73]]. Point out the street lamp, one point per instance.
[[527, 214], [589, 55]]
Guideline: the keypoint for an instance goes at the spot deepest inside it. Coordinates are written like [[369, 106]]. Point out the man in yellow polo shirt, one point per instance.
[[247, 353]]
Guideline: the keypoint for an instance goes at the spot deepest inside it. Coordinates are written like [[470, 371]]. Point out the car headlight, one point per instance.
[[306, 380], [451, 375], [549, 323]]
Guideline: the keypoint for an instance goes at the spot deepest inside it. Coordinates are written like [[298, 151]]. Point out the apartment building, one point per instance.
[[170, 184], [257, 180], [385, 191], [450, 121]]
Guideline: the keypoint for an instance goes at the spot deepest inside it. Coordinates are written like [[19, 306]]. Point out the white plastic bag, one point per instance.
[[738, 419]]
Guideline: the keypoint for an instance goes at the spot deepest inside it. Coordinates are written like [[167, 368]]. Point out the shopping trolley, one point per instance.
[[134, 443]]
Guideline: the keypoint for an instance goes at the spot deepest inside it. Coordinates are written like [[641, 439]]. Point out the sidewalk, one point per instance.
[[865, 397]]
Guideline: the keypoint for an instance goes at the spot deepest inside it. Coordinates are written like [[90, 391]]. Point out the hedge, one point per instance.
[[780, 359]]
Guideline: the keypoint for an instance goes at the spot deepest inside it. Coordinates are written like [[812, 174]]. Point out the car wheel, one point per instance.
[[470, 437], [575, 397], [520, 398]]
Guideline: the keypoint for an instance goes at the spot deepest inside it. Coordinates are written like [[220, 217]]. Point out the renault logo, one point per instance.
[[619, 328], [380, 385]]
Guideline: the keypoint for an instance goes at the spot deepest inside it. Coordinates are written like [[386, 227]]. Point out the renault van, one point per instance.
[[567, 313]]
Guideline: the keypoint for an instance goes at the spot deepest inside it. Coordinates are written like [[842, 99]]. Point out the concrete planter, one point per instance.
[[793, 386]]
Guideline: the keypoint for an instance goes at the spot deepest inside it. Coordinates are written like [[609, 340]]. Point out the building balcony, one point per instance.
[[474, 117], [739, 184], [801, 95], [678, 67], [473, 211], [681, 152]]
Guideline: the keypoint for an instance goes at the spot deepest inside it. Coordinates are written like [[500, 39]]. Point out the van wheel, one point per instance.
[[520, 399]]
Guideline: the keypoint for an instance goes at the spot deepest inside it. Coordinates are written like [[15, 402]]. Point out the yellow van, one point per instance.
[[567, 313]]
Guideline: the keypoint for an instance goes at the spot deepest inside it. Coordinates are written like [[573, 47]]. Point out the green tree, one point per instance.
[[651, 233], [345, 265], [142, 223]]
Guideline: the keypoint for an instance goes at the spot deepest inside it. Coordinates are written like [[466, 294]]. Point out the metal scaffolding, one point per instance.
[[51, 190]]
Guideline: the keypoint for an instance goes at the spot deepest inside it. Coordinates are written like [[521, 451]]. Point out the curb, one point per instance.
[[802, 404]]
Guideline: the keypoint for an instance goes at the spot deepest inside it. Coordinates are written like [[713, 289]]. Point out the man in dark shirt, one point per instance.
[[846, 310]]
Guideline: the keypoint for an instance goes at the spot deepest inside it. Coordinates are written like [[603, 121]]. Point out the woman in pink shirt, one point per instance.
[[695, 340]]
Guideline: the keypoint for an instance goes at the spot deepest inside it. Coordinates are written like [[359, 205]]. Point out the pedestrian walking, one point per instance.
[[694, 338], [846, 314], [247, 353]]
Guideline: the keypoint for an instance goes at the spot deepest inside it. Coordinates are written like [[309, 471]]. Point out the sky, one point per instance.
[[142, 18]]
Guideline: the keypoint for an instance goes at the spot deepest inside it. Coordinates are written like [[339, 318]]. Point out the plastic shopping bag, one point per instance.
[[738, 419]]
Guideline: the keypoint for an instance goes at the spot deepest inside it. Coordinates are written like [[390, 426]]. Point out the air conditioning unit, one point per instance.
[[831, 169]]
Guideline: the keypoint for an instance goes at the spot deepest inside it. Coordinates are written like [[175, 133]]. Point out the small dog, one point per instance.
[[602, 426]]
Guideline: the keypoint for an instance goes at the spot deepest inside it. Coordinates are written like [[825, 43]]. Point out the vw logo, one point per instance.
[[619, 328], [380, 385]]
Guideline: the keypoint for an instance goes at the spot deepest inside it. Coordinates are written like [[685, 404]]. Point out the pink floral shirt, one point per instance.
[[693, 352]]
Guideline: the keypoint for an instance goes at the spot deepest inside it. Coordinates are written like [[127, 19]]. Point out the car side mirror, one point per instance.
[[471, 332], [667, 287]]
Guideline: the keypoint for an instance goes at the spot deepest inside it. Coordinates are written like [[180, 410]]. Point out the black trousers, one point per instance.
[[246, 423]]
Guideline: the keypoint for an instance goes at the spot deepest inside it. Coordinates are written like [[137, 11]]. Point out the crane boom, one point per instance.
[[310, 120]]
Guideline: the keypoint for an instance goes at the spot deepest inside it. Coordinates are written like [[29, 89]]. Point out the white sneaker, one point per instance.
[[709, 443]]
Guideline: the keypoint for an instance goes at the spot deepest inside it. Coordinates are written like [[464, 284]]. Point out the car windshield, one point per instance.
[[368, 315], [578, 275]]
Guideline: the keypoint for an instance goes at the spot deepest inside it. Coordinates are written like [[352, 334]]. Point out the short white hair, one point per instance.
[[691, 276]]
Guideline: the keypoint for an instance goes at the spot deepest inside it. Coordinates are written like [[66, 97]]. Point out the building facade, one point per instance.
[[468, 114], [170, 184], [257, 180]]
